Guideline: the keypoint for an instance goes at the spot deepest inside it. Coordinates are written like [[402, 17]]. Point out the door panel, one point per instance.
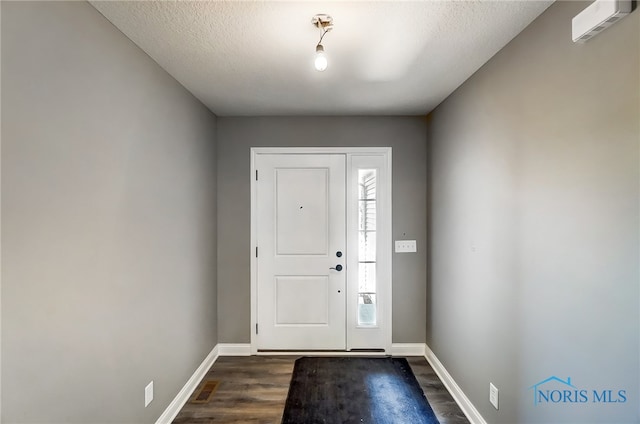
[[290, 290], [300, 227], [302, 214]]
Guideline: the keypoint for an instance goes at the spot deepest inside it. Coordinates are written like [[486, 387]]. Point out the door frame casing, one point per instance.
[[385, 270]]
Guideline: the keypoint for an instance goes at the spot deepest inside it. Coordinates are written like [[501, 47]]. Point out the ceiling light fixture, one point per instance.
[[325, 24]]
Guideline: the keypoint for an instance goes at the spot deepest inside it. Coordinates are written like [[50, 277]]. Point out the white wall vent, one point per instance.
[[596, 17]]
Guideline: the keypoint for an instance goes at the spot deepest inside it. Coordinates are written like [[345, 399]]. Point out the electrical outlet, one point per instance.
[[148, 394], [406, 246], [493, 395]]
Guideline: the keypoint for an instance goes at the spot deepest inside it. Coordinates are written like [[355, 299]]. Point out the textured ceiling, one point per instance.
[[385, 57]]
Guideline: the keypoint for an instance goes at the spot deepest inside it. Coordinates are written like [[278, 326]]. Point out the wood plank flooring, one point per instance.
[[253, 390]]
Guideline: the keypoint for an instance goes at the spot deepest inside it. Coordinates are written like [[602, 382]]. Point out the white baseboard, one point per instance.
[[456, 392], [407, 349], [234, 349], [182, 397], [397, 349]]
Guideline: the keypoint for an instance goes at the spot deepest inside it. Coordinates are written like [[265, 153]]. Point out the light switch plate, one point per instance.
[[148, 394], [493, 395], [406, 246]]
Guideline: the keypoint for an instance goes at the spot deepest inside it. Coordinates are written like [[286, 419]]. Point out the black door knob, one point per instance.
[[337, 267]]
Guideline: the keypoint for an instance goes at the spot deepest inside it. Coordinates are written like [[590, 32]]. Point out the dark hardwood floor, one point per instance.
[[253, 389], [445, 408]]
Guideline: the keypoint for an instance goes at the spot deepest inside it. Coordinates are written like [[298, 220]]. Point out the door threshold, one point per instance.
[[322, 352]]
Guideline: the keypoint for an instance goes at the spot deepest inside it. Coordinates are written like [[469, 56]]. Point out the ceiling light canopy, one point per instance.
[[325, 24]]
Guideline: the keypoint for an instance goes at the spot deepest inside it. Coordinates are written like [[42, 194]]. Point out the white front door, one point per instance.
[[300, 249]]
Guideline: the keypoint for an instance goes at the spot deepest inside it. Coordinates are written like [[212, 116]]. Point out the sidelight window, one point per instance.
[[367, 252], [369, 255]]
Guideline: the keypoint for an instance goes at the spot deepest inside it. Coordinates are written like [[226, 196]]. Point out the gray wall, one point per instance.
[[406, 135], [534, 197], [108, 218]]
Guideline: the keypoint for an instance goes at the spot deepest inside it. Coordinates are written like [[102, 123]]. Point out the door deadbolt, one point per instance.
[[339, 254]]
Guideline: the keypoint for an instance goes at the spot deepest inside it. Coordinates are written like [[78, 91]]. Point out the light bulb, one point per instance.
[[321, 60]]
